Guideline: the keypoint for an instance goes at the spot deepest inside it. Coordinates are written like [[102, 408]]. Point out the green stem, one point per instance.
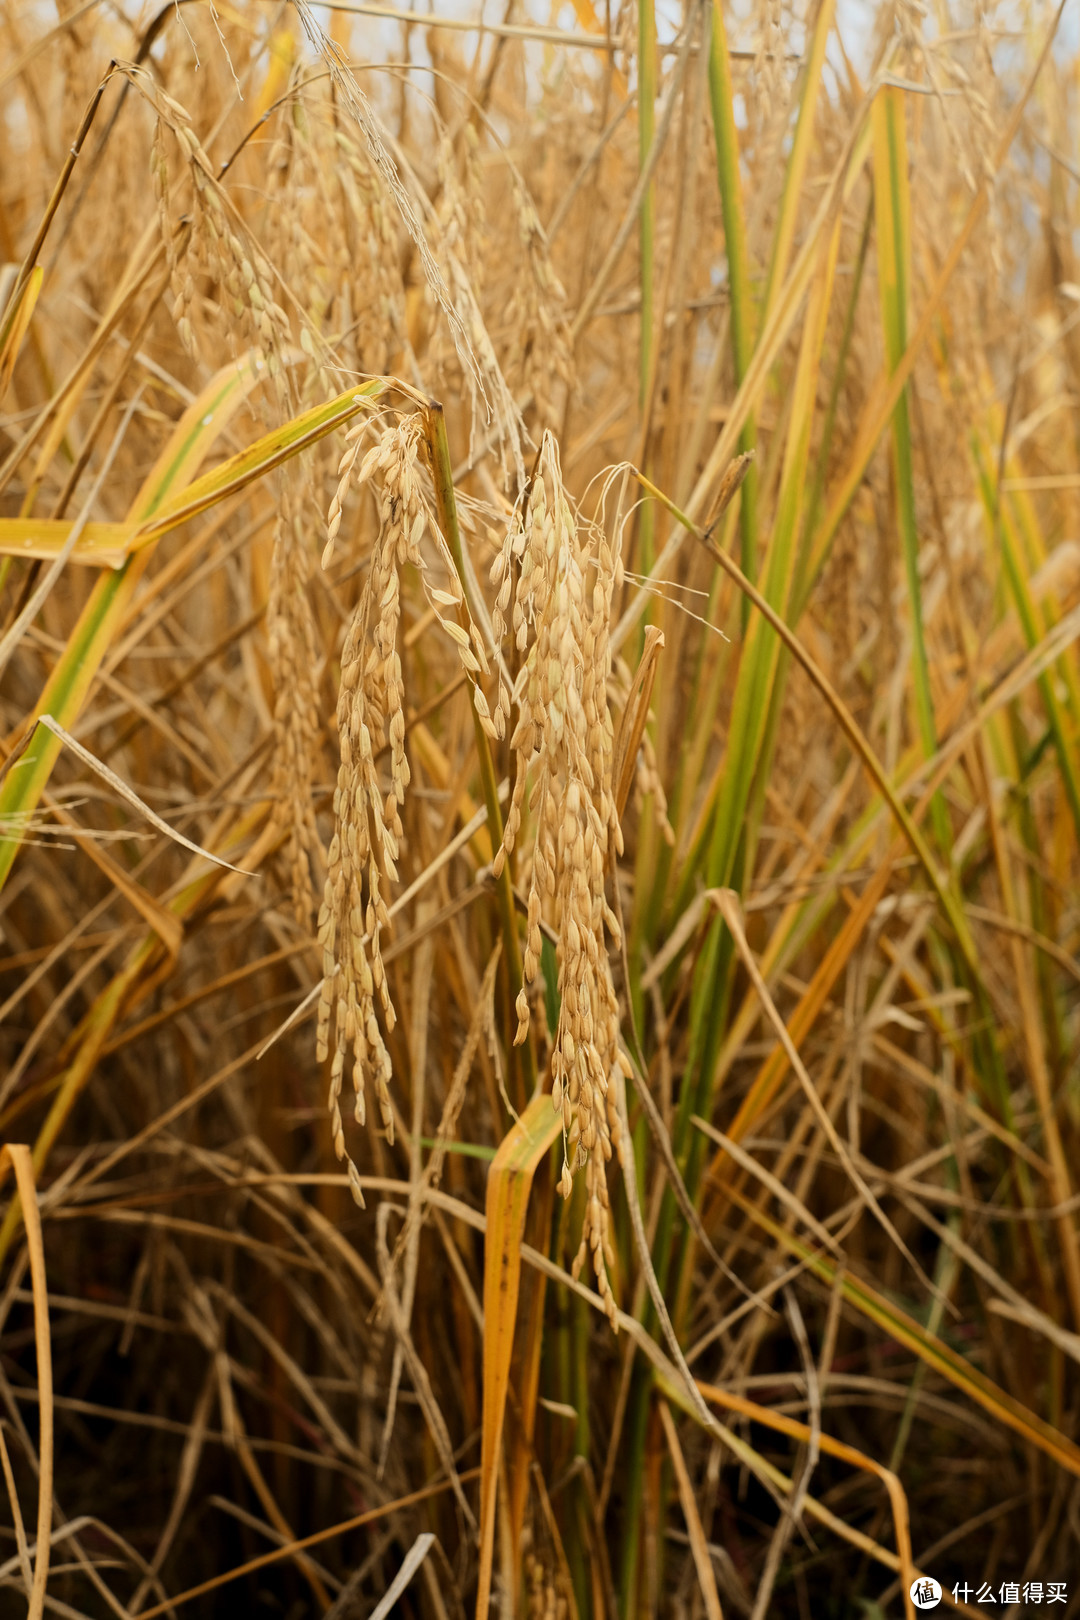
[[872, 765], [721, 98]]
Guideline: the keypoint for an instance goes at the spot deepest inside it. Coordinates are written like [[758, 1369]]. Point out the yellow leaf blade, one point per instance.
[[167, 500], [13, 327], [100, 544], [509, 1182]]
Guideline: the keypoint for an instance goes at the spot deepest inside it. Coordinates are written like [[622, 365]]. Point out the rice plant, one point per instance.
[[539, 809]]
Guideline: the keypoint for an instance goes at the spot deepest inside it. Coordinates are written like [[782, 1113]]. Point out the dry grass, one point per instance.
[[684, 723]]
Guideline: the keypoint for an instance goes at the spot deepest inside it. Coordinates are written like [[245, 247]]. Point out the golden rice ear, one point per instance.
[[563, 741], [296, 722], [541, 355], [368, 831]]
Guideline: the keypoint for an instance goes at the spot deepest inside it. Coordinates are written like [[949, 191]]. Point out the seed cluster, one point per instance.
[[463, 250], [244, 273], [334, 233], [544, 1599], [482, 375], [564, 740], [540, 347], [377, 287], [371, 716], [220, 246], [291, 638]]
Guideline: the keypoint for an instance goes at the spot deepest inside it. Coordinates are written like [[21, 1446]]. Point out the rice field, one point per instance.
[[539, 809]]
